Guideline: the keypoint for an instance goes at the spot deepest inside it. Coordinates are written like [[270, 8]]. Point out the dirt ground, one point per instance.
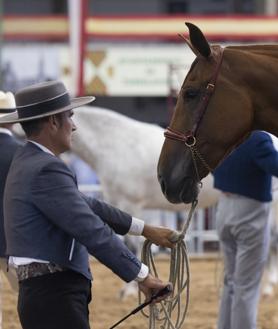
[[107, 309]]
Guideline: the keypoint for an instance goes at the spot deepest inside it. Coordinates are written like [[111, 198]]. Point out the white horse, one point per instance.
[[124, 153]]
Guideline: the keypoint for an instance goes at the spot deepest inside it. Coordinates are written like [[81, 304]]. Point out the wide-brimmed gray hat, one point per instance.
[[41, 100]]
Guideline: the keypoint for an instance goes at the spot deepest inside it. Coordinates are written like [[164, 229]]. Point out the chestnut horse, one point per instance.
[[226, 94]]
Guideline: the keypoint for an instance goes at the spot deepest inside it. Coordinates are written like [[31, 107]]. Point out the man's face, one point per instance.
[[64, 133]]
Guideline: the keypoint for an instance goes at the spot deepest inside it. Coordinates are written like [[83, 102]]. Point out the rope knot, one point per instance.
[[177, 236]]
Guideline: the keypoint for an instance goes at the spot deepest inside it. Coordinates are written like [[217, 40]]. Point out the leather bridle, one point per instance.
[[189, 138]]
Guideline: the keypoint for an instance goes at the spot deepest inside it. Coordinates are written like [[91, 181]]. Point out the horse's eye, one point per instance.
[[191, 93]]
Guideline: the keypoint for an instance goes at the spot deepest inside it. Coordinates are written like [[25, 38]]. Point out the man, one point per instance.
[[242, 221], [8, 146], [50, 226]]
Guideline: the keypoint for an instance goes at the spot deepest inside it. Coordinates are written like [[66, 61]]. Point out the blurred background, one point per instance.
[[126, 52]]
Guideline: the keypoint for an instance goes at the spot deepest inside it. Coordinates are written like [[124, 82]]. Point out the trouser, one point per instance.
[[55, 301], [244, 232]]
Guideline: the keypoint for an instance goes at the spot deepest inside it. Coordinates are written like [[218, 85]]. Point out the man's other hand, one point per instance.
[[152, 285]]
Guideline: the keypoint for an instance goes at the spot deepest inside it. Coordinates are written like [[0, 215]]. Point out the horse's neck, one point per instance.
[[100, 136], [82, 147], [257, 69]]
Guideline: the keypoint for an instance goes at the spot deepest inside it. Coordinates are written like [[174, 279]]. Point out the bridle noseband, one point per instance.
[[189, 138]]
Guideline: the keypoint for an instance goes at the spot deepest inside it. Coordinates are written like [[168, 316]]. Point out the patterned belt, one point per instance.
[[37, 269]]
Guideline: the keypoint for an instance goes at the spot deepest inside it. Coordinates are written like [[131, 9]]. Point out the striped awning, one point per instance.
[[239, 28]]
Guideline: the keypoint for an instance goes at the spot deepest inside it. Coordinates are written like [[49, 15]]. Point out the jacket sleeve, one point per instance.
[[55, 194], [118, 220], [265, 155]]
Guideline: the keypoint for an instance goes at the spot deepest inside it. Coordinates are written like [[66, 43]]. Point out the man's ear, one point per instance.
[[54, 122]]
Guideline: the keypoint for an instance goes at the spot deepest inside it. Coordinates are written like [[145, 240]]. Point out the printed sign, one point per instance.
[[136, 71]]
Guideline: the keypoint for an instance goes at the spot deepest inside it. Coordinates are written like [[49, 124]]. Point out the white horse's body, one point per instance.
[[124, 153]]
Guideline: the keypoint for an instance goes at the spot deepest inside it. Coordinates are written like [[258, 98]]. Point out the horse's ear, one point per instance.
[[198, 40], [188, 42]]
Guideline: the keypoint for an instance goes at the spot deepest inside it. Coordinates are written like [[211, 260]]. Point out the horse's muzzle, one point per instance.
[[184, 192]]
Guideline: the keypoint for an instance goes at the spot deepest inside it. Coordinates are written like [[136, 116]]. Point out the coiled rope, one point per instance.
[[170, 313]]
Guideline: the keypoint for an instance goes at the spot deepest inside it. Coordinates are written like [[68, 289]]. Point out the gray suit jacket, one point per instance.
[[47, 217]]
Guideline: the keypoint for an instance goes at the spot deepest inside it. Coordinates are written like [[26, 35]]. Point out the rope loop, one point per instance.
[[171, 313]]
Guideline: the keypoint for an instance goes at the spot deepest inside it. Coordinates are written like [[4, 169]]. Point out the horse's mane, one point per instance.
[[263, 49]]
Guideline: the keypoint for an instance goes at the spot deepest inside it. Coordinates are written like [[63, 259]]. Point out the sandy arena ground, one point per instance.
[[108, 309]]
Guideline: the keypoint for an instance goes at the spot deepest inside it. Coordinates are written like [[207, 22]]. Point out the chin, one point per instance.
[[189, 197], [64, 149], [187, 193]]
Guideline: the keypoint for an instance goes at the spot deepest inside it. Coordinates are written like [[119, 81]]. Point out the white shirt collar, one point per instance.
[[42, 147], [6, 131]]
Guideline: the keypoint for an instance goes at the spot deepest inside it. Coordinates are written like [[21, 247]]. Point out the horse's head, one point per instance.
[[212, 115]]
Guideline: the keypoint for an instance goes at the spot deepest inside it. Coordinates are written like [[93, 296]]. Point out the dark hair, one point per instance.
[[34, 127]]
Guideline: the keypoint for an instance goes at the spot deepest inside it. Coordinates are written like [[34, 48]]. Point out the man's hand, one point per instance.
[[159, 235], [151, 285]]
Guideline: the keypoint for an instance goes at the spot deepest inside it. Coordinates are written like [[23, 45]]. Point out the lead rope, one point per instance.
[[170, 313], [196, 154]]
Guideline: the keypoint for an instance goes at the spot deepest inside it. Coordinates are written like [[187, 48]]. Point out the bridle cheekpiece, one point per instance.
[[189, 138]]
